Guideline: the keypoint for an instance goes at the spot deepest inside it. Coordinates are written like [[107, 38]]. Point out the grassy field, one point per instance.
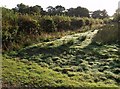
[[72, 61]]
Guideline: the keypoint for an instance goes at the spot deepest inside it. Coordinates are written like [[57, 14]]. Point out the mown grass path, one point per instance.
[[84, 63]]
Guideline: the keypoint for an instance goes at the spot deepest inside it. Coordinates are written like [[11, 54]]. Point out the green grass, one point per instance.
[[73, 61], [24, 73]]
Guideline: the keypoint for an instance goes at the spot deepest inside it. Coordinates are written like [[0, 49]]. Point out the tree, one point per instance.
[[25, 9], [100, 14], [117, 15], [50, 10], [59, 9], [22, 8], [71, 12], [117, 19], [79, 12], [36, 9]]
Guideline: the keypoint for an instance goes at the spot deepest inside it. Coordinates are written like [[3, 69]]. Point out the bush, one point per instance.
[[87, 21], [62, 22], [109, 34], [9, 28], [27, 24], [106, 21], [117, 18], [77, 23], [47, 24]]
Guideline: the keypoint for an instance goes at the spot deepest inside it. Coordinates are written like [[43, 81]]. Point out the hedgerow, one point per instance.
[[18, 27]]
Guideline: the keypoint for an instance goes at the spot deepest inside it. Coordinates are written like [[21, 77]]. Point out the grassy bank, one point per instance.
[[72, 61]]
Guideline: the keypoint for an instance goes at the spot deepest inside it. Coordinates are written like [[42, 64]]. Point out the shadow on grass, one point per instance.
[[55, 51]]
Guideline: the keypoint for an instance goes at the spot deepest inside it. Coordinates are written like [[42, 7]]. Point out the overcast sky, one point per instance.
[[92, 5]]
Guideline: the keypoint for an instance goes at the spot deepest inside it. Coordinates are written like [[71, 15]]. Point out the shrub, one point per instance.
[[117, 18], [9, 28], [27, 24], [106, 21], [96, 21], [77, 23], [101, 21], [47, 24], [62, 22], [87, 21], [108, 34]]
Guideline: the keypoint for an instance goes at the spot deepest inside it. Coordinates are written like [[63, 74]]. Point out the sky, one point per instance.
[[91, 5]]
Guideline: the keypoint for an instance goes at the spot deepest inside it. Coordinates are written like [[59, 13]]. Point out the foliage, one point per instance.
[[59, 48], [27, 25], [9, 27], [25, 9], [18, 27], [47, 24], [77, 23], [100, 14], [117, 18], [62, 22], [57, 10], [78, 12]]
